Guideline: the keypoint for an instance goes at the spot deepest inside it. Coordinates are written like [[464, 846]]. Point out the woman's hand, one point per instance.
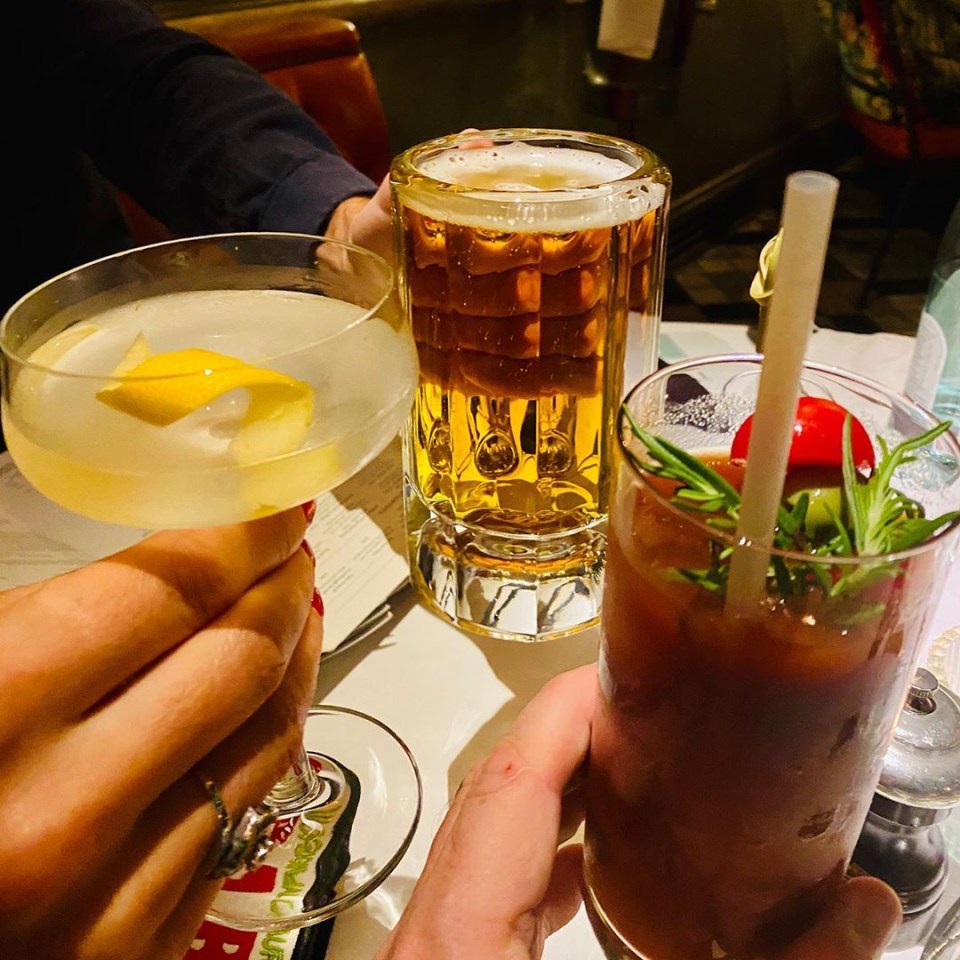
[[191, 655], [495, 886], [366, 221]]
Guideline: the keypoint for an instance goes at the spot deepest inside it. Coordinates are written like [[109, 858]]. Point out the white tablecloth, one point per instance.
[[451, 695]]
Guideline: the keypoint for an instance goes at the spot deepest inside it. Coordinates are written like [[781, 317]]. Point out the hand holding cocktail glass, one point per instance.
[[494, 886], [751, 675], [110, 705], [216, 380]]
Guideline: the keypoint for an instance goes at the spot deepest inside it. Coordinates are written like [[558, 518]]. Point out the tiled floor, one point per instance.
[[712, 281]]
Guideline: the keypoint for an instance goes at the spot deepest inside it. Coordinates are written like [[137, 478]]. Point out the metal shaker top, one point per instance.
[[920, 781]]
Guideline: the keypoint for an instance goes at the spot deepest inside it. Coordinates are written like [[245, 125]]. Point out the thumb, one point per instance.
[[859, 924], [371, 226]]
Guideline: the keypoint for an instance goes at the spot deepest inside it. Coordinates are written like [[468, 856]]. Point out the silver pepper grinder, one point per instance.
[[901, 841]]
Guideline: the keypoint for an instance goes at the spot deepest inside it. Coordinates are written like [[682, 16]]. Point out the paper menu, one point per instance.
[[357, 536]]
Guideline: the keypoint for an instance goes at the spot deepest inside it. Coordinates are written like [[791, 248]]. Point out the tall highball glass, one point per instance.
[[734, 756], [523, 254]]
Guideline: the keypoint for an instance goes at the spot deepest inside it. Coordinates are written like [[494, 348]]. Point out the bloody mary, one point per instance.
[[733, 758]]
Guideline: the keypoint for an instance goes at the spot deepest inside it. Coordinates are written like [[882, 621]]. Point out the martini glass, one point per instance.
[[214, 380]]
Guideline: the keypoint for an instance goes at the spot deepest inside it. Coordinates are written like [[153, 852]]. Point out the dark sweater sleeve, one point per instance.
[[200, 139]]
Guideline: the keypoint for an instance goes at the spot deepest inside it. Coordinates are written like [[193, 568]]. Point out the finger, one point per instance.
[[16, 594], [239, 764], [100, 773], [198, 694], [563, 897], [371, 225], [553, 730], [860, 923], [176, 933], [92, 629], [185, 706], [476, 143], [574, 803], [157, 888]]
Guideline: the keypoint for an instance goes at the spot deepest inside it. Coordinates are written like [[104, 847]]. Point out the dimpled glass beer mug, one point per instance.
[[734, 754], [530, 259]]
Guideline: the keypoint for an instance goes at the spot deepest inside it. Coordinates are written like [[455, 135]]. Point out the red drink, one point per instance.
[[733, 760]]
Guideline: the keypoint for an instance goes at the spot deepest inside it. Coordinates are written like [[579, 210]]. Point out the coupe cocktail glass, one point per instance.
[[733, 758], [214, 380]]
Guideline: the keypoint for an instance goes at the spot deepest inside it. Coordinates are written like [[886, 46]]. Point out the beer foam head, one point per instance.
[[525, 167], [531, 187]]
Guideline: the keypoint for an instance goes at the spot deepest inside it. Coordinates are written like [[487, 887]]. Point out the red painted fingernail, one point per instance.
[[317, 601], [309, 510], [308, 550]]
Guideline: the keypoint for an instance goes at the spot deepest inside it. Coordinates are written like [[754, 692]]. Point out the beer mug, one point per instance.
[[531, 261]]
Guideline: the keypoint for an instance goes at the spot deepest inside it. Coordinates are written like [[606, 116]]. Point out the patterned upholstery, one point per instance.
[[901, 72]]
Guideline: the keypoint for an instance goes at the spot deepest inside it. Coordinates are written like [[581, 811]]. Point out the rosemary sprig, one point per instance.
[[882, 520], [701, 488], [885, 520]]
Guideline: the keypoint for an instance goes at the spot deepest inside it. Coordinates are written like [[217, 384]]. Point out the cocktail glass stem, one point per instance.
[[299, 787]]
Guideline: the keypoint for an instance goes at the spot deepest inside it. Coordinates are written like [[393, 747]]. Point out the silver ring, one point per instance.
[[241, 844]]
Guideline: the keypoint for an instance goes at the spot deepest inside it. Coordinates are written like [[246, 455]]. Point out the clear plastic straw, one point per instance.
[[808, 205]]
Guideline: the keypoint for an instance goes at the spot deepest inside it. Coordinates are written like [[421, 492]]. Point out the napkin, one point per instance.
[[357, 538], [213, 942], [630, 27]]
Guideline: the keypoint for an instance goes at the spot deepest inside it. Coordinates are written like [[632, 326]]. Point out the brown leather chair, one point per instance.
[[318, 62]]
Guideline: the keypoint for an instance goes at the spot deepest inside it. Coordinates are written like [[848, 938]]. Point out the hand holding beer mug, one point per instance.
[[522, 257]]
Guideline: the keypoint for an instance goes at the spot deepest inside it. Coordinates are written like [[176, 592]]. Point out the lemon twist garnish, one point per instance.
[[166, 387]]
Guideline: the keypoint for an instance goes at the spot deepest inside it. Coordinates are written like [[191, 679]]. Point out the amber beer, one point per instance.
[[732, 761], [522, 255]]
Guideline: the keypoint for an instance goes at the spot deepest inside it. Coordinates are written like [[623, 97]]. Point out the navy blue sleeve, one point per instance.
[[197, 137]]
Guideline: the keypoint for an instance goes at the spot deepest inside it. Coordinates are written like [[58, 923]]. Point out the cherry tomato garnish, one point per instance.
[[817, 437]]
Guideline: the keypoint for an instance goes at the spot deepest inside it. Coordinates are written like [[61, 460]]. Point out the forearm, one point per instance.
[[199, 138]]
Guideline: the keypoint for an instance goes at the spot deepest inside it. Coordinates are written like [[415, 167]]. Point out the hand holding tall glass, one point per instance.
[[216, 380], [734, 756], [522, 253]]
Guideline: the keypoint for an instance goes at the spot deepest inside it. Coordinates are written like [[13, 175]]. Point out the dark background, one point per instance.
[[747, 93], [757, 80]]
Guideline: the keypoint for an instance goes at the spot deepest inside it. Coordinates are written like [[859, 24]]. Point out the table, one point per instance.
[[451, 695]]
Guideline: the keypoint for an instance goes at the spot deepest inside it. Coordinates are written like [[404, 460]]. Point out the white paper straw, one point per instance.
[[807, 214]]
